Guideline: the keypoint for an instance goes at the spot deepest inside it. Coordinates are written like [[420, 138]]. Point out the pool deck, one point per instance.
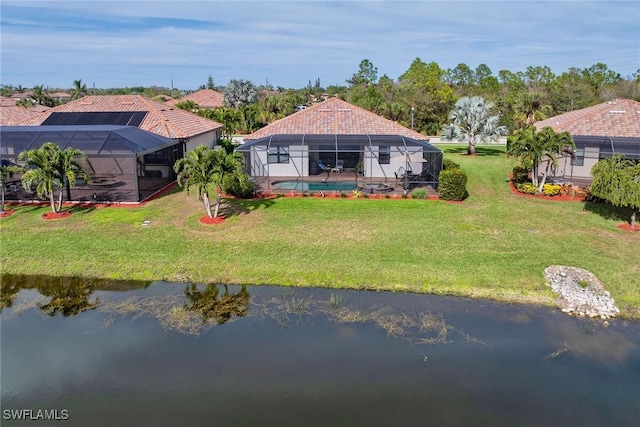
[[265, 184]]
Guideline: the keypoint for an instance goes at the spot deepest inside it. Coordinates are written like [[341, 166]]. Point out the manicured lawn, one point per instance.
[[494, 245]]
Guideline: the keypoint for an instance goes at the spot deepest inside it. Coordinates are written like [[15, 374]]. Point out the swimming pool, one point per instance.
[[316, 186]]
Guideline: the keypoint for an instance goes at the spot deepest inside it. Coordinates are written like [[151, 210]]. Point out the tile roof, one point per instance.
[[11, 115], [205, 98], [334, 117], [161, 119], [618, 118]]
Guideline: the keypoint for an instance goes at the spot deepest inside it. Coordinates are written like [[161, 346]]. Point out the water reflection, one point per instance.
[[134, 354], [215, 307]]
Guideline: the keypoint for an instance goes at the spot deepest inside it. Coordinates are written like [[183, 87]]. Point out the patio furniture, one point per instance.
[[324, 168], [339, 167]]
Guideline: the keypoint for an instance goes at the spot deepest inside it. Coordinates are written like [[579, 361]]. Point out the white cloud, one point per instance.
[[134, 43]]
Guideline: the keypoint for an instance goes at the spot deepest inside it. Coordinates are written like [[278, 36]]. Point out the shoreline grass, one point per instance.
[[495, 245]]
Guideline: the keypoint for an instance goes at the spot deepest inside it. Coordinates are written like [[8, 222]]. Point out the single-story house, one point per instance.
[[599, 131], [124, 163], [133, 110], [322, 142], [205, 98]]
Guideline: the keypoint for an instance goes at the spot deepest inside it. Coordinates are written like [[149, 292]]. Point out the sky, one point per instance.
[[179, 44]]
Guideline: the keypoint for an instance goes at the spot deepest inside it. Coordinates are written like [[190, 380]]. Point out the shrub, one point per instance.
[[574, 191], [449, 164], [419, 193], [453, 184], [551, 189], [356, 194], [343, 194], [520, 174], [238, 186], [527, 188]]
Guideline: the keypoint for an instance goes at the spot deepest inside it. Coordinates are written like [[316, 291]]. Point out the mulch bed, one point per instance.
[[627, 227], [558, 198], [211, 221], [56, 215], [7, 213]]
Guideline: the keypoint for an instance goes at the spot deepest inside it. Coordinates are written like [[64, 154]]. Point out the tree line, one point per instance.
[[421, 98]]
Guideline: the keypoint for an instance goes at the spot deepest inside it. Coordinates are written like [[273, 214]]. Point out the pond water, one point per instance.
[[167, 354]]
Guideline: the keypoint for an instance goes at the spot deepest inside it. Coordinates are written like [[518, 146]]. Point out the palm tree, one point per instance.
[[25, 102], [472, 122], [7, 170], [533, 148], [229, 119], [529, 109], [239, 92], [526, 146], [205, 167], [553, 145], [79, 90], [49, 168], [41, 97]]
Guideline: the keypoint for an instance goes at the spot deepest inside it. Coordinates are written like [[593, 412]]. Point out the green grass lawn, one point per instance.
[[494, 245]]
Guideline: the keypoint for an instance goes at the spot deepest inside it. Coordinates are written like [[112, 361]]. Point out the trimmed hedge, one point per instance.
[[449, 164], [453, 184], [520, 174]]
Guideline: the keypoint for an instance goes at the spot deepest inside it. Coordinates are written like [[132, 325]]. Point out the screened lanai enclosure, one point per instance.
[[124, 163], [371, 163], [589, 150]]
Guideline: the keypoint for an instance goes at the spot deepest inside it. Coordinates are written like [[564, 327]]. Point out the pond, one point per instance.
[[106, 353]]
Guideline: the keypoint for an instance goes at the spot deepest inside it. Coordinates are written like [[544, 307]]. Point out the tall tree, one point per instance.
[[571, 91], [367, 74], [48, 168], [600, 76], [617, 180], [204, 168], [472, 121], [210, 84], [78, 90], [423, 86], [239, 92]]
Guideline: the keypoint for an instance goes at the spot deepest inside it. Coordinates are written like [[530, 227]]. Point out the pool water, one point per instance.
[[316, 186]]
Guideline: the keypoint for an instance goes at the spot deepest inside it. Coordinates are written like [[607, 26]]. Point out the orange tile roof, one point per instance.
[[205, 98], [618, 118], [11, 115], [161, 119], [334, 117]]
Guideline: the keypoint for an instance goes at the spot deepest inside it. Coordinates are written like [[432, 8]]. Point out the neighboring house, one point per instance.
[[124, 163], [60, 97], [340, 136], [205, 98], [11, 115], [598, 132], [133, 110]]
